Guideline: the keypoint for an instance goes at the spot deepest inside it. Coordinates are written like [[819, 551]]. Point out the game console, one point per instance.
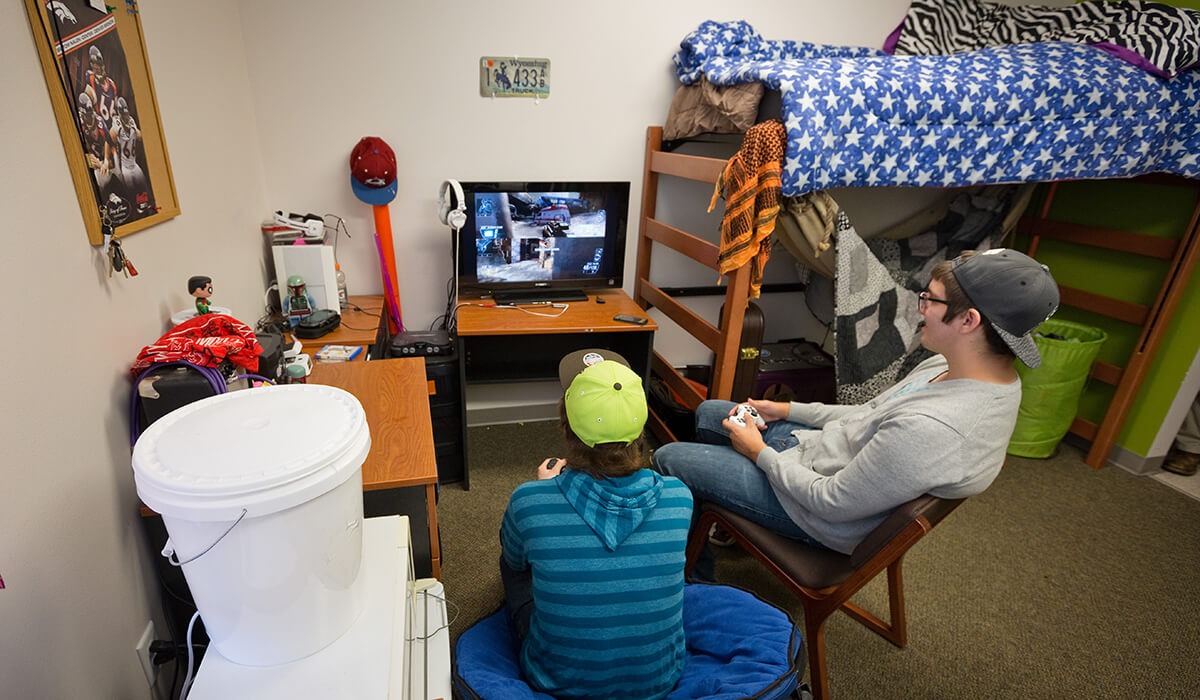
[[317, 324], [421, 344], [745, 412]]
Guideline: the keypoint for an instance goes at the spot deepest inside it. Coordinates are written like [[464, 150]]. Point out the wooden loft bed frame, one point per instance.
[[723, 341], [646, 294], [1153, 319]]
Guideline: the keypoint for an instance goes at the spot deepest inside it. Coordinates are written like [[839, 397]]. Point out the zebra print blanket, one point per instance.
[[1158, 38], [1021, 113]]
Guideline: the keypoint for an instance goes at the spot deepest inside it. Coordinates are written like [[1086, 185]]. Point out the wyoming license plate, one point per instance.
[[512, 76]]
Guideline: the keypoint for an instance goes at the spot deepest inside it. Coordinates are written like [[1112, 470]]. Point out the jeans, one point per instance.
[[518, 597], [717, 473]]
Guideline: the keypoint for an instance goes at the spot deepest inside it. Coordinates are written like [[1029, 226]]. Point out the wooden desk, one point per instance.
[[359, 328], [400, 472], [506, 345]]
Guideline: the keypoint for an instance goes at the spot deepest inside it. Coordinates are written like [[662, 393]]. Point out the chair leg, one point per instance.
[[895, 631], [899, 635], [814, 639]]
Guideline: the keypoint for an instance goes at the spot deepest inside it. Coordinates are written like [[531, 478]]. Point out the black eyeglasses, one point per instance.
[[924, 298]]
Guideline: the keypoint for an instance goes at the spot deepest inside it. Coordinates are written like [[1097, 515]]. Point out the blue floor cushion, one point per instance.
[[737, 647]]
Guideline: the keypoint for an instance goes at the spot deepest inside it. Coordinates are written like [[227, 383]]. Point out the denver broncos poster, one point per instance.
[[96, 79]]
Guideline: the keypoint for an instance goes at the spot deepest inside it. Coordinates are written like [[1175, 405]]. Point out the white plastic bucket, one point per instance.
[[261, 494]]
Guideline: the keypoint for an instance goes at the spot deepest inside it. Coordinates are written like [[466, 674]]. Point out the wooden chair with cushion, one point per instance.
[[825, 580]]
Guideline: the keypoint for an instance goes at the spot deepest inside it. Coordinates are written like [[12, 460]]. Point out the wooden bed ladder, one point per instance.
[[646, 294], [1153, 320]]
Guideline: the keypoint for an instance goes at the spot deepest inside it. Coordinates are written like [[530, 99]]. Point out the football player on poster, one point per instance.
[[99, 148], [99, 86], [93, 60], [127, 142]]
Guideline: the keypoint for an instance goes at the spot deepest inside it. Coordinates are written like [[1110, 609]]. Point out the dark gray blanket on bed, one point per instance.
[[876, 290]]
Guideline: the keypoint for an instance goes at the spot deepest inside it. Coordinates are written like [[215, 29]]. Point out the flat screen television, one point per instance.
[[542, 241]]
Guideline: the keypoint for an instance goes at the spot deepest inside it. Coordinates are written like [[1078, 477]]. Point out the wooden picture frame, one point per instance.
[[98, 76]]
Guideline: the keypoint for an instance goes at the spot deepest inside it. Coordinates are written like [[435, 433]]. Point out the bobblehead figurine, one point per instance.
[[299, 304], [201, 288]]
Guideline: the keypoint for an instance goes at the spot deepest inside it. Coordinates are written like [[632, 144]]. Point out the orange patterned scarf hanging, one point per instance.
[[751, 188]]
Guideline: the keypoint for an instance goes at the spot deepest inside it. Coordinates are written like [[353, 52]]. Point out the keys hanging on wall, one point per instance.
[[112, 248], [117, 260]]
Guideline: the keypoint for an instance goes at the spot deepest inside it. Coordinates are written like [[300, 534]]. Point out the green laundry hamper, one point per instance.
[[1050, 393]]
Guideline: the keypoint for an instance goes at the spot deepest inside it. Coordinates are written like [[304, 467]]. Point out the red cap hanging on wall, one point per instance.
[[373, 180], [373, 171]]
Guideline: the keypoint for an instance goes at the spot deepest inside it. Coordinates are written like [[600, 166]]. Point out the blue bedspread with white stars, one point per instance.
[[1022, 113]]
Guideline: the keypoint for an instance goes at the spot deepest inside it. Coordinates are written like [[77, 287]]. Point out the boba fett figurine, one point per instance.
[[299, 304]]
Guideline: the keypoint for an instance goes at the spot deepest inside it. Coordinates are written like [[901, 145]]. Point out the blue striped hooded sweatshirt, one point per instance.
[[607, 561]]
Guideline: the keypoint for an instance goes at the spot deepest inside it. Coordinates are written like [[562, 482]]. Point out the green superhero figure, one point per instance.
[[200, 287]]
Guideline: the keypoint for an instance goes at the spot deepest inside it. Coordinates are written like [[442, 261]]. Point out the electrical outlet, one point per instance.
[[143, 653]]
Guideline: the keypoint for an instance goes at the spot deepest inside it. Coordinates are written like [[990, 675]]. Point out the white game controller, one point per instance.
[[744, 410]]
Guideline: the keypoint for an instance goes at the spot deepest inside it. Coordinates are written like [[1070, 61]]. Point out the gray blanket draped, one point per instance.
[[877, 282]]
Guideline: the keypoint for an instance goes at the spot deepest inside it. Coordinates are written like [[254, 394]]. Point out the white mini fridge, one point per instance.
[[398, 649]]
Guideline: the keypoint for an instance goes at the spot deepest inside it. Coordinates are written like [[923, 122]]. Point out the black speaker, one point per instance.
[[446, 412], [272, 355]]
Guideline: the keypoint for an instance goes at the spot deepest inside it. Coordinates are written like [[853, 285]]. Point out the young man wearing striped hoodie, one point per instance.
[[593, 550]]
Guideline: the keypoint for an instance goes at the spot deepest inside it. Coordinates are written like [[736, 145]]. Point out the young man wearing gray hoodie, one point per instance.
[[829, 474], [593, 550]]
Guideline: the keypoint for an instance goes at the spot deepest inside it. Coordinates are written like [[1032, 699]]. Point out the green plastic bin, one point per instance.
[[1050, 394]]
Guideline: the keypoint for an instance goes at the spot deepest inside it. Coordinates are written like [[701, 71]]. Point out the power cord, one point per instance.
[[171, 629], [451, 322], [187, 680], [562, 308], [448, 321], [337, 228], [163, 650], [361, 310], [450, 621], [267, 305]]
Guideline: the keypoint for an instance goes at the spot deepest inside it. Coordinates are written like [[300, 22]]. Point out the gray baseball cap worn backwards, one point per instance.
[[1014, 291]]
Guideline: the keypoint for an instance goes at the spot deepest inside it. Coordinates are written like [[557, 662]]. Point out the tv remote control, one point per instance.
[[626, 318]]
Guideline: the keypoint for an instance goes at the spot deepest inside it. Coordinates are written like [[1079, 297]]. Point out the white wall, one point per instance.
[[78, 592], [408, 72], [261, 103], [1180, 406]]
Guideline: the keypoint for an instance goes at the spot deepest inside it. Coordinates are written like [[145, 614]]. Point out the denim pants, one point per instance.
[[518, 597], [717, 473]]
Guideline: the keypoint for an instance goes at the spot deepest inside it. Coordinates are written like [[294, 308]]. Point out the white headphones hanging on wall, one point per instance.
[[452, 213]]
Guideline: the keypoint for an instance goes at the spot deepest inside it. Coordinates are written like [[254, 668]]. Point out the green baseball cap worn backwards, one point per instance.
[[604, 399]]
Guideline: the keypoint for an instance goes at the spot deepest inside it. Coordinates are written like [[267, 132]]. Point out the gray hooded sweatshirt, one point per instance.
[[947, 439]]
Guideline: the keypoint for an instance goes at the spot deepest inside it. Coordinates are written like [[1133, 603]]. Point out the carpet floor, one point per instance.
[[1059, 581]]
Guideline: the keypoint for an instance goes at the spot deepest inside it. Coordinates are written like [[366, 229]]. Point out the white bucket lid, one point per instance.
[[262, 450]]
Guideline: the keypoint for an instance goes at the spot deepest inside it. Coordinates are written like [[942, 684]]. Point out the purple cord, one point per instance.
[[253, 376], [393, 303], [212, 374]]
